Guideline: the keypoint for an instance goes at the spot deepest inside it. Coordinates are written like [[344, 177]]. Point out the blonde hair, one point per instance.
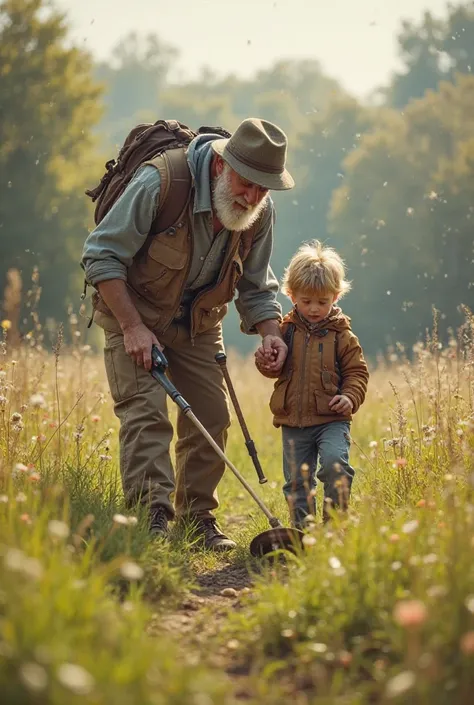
[[315, 267]]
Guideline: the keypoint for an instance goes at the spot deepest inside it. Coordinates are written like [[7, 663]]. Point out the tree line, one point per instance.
[[389, 182]]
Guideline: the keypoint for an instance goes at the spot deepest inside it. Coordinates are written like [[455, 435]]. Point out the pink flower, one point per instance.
[[410, 613], [467, 643]]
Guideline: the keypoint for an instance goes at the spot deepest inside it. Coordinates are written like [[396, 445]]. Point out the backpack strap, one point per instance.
[[175, 187]]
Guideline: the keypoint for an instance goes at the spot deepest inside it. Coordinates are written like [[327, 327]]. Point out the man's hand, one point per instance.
[[138, 340], [341, 404], [271, 355]]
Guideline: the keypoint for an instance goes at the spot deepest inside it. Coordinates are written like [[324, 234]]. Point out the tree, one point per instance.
[[48, 104], [434, 50], [404, 215], [133, 78]]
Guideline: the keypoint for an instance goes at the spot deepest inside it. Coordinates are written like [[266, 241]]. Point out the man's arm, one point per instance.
[[109, 251], [137, 338], [257, 303]]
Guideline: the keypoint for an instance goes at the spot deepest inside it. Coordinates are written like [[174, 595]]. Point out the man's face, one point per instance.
[[237, 202]]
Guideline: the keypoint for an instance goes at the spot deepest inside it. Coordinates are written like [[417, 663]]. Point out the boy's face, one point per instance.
[[313, 305]]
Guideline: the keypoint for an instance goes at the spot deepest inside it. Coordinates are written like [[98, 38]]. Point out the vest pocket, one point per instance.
[[163, 264], [278, 400]]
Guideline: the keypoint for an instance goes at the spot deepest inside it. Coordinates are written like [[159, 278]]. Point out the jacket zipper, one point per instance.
[[301, 384]]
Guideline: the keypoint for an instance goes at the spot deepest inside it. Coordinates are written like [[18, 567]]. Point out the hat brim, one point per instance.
[[275, 182]]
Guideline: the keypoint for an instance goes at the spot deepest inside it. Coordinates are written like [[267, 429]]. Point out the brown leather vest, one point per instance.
[[157, 277]]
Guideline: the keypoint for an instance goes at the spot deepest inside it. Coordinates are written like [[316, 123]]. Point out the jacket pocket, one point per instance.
[[329, 389], [278, 400]]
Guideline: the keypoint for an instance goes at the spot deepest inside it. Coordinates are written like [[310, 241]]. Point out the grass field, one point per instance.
[[379, 607]]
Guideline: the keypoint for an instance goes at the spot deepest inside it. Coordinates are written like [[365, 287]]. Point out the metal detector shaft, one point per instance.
[[158, 372], [221, 360]]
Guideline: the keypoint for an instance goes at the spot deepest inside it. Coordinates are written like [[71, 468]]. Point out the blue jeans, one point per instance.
[[301, 448]]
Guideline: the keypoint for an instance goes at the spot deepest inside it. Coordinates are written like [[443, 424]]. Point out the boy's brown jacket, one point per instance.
[[323, 360]]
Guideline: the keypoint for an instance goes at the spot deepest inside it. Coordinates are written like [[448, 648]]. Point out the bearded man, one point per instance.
[[171, 289]]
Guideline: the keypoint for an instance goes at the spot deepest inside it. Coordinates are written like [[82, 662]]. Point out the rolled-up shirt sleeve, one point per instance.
[[109, 249], [258, 287]]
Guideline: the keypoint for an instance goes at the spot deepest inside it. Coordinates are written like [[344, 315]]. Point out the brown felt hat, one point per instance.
[[257, 152]]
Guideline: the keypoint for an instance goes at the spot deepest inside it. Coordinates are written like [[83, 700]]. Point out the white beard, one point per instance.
[[224, 202]]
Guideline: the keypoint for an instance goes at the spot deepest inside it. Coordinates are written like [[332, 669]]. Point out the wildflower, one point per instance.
[[132, 521], [345, 658], [25, 518], [3, 499], [34, 477], [467, 643], [95, 418], [58, 529], [37, 401], [120, 519], [401, 462], [3, 400], [75, 678], [469, 602], [309, 540], [6, 324], [318, 648], [131, 571], [396, 565], [393, 538], [421, 503], [21, 497], [373, 444], [410, 526], [287, 633], [437, 591], [400, 684], [16, 417], [410, 613], [33, 676], [105, 458], [19, 468], [334, 562]]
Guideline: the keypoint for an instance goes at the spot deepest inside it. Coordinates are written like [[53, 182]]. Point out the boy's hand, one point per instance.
[[264, 358], [341, 404], [275, 351]]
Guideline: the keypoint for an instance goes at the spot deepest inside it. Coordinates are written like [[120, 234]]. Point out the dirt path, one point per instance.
[[202, 615]]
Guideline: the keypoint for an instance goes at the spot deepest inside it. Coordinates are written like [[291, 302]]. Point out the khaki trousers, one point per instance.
[[140, 403]]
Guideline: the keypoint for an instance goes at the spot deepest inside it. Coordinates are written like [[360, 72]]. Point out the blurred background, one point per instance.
[[376, 96]]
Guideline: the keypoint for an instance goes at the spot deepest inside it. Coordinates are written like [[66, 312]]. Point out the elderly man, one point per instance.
[[171, 289]]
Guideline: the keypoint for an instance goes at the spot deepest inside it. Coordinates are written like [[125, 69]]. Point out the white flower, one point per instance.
[[469, 602], [120, 519], [37, 400], [309, 540], [400, 684], [335, 563], [132, 521], [21, 497], [373, 444], [131, 571], [410, 526], [58, 529], [14, 559], [33, 676], [3, 499], [75, 678]]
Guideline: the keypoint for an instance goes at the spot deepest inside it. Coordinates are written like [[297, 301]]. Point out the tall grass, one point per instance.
[[379, 606]]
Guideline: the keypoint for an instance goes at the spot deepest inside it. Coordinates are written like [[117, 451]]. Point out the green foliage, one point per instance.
[[403, 215], [48, 105]]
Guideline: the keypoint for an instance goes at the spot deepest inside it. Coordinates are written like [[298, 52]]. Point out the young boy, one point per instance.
[[323, 382]]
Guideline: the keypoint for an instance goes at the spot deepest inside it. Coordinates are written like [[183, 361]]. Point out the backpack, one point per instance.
[[144, 142]]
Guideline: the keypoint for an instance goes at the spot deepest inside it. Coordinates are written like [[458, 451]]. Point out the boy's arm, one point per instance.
[[353, 368]]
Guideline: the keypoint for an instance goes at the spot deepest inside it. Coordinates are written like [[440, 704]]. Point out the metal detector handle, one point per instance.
[[159, 364], [221, 359]]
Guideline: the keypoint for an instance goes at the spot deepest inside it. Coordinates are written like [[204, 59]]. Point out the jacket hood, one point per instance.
[[336, 320]]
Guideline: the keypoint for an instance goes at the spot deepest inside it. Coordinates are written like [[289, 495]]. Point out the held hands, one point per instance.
[[341, 404], [138, 341], [271, 355]]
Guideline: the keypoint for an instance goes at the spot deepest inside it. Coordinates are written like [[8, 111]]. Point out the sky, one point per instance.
[[354, 40]]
